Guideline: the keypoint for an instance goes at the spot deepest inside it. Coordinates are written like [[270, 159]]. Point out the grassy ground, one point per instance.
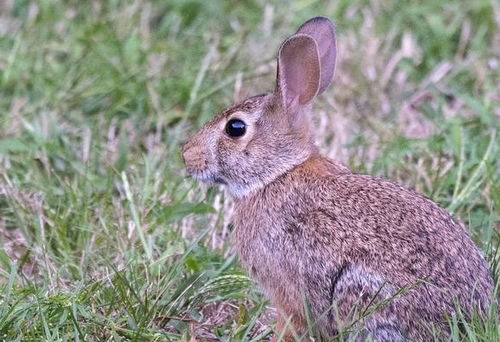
[[102, 237]]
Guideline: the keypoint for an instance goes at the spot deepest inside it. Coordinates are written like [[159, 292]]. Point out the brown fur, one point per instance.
[[307, 228]]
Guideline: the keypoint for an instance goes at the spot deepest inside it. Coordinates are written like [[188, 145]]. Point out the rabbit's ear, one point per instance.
[[298, 78], [322, 31]]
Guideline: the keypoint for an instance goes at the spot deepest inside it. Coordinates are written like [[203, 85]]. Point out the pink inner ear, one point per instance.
[[298, 70], [323, 32]]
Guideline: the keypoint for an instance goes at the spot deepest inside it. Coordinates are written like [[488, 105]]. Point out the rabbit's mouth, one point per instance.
[[206, 176]]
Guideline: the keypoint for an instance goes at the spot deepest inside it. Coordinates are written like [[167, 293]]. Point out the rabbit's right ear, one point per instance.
[[306, 62], [322, 31]]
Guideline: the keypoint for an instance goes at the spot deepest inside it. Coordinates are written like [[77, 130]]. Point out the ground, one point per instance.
[[105, 239]]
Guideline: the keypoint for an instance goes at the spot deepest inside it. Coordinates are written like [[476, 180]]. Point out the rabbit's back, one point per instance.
[[326, 233]]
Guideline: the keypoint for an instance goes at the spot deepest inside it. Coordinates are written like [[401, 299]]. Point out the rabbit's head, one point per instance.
[[252, 143]]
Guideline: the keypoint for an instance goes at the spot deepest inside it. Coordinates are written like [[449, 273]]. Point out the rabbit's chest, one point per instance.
[[269, 255]]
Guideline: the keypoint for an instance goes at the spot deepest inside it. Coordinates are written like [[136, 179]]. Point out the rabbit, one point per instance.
[[355, 252]]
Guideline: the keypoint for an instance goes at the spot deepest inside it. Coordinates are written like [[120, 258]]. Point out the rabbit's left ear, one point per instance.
[[306, 62], [299, 72]]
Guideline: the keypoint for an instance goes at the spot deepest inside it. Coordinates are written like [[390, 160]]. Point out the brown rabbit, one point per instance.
[[363, 253]]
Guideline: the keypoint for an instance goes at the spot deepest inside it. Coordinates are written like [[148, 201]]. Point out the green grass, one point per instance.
[[103, 238]]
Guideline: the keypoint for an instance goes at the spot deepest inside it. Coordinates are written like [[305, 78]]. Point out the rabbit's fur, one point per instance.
[[362, 253]]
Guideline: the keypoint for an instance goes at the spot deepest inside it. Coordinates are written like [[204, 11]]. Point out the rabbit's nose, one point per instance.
[[192, 155]]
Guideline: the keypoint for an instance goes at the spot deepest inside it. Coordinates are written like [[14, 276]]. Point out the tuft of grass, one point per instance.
[[103, 238]]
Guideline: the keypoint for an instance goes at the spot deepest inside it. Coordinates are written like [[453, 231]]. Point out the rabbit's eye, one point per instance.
[[236, 128]]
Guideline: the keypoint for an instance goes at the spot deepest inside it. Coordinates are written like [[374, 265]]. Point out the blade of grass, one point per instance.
[[135, 216]]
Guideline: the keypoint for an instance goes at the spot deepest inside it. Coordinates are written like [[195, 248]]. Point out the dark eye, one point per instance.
[[236, 128]]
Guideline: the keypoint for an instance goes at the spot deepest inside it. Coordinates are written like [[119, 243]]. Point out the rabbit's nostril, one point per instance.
[[193, 157], [188, 153], [185, 147]]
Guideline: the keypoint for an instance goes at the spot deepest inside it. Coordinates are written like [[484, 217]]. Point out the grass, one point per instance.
[[103, 238]]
